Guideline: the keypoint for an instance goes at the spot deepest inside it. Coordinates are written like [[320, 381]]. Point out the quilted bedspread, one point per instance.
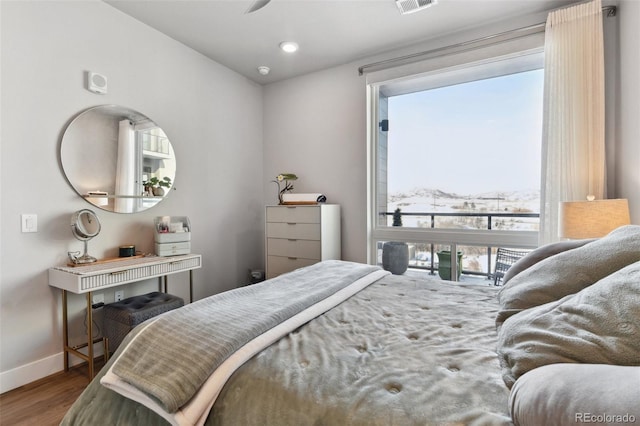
[[403, 351]]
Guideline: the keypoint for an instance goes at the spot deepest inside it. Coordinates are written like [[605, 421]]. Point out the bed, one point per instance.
[[402, 351], [341, 343]]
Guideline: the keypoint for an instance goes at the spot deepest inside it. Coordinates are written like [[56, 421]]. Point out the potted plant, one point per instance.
[[395, 254], [154, 186], [288, 186]]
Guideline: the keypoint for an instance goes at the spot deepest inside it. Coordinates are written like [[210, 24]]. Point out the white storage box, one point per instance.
[[172, 235], [173, 249]]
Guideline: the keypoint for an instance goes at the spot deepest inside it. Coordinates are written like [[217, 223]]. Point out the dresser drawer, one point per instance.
[[293, 214], [277, 265], [298, 236], [294, 231], [308, 249]]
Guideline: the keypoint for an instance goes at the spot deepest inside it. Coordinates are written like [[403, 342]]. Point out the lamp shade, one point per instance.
[[592, 219]]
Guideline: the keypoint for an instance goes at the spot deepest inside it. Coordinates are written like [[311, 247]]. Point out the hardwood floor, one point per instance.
[[45, 401]]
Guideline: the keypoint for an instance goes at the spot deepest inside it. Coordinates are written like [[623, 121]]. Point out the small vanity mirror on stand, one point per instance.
[[84, 225]]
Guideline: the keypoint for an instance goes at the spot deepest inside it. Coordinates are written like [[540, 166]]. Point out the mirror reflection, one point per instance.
[[118, 159]]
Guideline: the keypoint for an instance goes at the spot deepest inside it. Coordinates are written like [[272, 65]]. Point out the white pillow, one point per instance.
[[569, 272], [539, 254], [598, 325], [576, 394]]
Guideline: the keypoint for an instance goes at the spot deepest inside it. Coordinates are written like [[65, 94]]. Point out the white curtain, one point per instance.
[[126, 168], [573, 152]]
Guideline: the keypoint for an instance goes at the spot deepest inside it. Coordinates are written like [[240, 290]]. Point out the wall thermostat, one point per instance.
[[97, 83]]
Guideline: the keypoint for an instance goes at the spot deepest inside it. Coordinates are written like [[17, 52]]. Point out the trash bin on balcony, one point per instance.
[[444, 264]]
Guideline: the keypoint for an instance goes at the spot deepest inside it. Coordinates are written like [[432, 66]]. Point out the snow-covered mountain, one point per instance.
[[438, 201]]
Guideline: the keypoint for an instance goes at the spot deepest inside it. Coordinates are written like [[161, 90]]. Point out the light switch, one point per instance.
[[29, 223]]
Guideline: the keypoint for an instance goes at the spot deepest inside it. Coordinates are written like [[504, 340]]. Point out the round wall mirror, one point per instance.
[[118, 159], [84, 226]]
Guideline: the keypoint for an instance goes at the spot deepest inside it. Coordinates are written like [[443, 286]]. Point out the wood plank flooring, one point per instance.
[[45, 401]]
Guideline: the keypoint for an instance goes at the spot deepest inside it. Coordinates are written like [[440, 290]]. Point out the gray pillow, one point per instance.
[[598, 325], [576, 394], [541, 253], [569, 272]]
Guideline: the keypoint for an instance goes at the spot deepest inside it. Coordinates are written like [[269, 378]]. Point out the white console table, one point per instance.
[[86, 279]]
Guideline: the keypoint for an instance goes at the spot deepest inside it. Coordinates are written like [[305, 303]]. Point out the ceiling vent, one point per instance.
[[410, 6]]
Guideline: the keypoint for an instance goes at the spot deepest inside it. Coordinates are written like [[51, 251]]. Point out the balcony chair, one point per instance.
[[504, 259]]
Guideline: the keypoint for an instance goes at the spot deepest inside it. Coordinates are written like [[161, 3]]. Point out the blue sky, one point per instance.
[[468, 138]]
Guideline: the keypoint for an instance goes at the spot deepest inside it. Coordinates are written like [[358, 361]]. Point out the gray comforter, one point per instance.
[[403, 351], [212, 329]]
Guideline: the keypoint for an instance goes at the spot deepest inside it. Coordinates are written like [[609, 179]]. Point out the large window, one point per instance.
[[456, 156]]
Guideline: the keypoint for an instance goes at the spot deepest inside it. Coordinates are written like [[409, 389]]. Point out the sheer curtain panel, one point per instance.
[[573, 152]]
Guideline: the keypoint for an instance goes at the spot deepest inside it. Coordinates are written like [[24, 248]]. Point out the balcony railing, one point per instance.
[[489, 216]]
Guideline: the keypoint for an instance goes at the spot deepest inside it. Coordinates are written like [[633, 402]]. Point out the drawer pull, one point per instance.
[[118, 272], [291, 223], [292, 258], [291, 239]]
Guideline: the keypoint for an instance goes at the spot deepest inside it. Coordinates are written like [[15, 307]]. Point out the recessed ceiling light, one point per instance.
[[289, 46], [263, 70]]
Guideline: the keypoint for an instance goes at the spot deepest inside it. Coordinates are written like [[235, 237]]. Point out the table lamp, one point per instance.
[[592, 218]]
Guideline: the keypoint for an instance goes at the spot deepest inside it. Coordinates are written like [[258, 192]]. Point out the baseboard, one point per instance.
[[31, 372], [39, 369]]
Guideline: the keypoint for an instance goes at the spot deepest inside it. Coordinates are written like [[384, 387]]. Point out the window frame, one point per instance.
[[464, 72]]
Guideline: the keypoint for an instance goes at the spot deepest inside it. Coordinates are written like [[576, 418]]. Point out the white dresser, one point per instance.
[[298, 236]]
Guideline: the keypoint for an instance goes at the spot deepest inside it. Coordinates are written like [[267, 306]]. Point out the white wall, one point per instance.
[[627, 169], [315, 126], [212, 115]]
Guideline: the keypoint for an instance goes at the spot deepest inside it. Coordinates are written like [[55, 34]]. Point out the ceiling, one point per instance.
[[329, 32]]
